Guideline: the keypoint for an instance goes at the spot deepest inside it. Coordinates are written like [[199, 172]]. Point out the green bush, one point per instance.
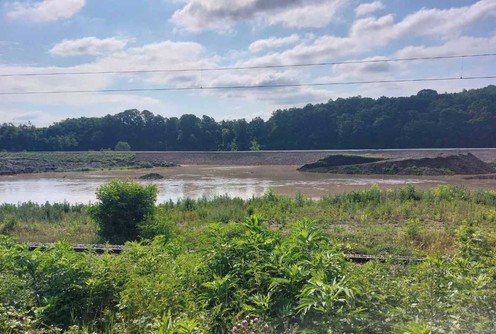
[[122, 206], [122, 146]]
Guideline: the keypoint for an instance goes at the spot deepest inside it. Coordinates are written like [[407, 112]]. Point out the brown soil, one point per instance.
[[297, 158], [481, 177], [156, 159], [336, 160], [28, 166], [440, 165]]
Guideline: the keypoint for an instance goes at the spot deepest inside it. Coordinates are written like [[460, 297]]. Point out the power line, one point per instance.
[[247, 67], [248, 87]]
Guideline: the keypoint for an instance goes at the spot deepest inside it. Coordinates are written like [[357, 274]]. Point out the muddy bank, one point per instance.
[[34, 162], [452, 164], [15, 166], [481, 177]]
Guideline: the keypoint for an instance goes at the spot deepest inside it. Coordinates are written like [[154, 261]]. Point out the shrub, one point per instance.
[[122, 206], [122, 146]]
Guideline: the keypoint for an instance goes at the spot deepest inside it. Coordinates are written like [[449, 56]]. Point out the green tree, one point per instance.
[[254, 146], [122, 206], [122, 146]]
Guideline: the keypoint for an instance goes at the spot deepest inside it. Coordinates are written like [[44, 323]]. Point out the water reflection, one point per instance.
[[202, 181]]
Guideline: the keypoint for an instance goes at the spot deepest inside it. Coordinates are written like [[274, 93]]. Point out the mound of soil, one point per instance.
[[336, 160], [481, 177], [151, 176], [439, 165]]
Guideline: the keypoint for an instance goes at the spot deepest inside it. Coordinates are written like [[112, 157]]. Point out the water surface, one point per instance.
[[198, 181]]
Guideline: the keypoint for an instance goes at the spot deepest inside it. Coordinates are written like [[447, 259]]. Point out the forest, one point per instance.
[[425, 120]]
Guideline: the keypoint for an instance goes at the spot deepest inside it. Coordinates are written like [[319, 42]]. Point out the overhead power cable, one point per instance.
[[245, 67], [337, 83]]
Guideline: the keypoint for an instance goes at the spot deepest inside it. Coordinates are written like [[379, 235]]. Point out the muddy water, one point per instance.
[[197, 181]]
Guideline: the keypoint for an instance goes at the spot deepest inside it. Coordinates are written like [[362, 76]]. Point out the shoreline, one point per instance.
[[85, 161]]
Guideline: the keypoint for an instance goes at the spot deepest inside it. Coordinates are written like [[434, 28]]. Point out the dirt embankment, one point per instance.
[[33, 162], [481, 177], [452, 164], [25, 166], [296, 158]]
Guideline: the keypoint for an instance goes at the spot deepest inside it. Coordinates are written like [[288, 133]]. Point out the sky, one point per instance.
[[193, 44]]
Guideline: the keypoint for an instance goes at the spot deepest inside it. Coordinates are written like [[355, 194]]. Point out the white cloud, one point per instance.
[[368, 8], [455, 46], [20, 116], [273, 42], [198, 15], [370, 68], [44, 11], [372, 33], [88, 46], [162, 55], [315, 16], [445, 22], [366, 36]]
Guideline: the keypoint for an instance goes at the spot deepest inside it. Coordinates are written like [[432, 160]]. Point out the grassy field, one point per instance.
[[407, 221]]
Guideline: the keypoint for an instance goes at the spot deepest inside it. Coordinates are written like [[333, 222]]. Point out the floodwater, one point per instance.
[[196, 181]]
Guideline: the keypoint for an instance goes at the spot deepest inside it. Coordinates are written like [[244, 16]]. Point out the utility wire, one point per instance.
[[337, 83], [246, 67]]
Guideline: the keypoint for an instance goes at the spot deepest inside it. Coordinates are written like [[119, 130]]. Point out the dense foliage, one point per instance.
[[427, 119], [122, 207], [228, 265], [246, 277]]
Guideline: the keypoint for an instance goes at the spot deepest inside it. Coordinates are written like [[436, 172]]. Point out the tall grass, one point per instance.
[[47, 222], [406, 221]]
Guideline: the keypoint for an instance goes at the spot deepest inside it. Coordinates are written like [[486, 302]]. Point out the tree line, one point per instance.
[[427, 119]]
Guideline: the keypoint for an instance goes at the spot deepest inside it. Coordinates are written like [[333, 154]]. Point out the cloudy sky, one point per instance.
[[185, 36]]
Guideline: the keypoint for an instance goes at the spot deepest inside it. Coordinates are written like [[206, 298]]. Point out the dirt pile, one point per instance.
[[151, 176], [439, 165], [336, 160]]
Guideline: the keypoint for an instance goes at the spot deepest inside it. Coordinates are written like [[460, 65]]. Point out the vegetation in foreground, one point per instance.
[[245, 278], [407, 221], [200, 268]]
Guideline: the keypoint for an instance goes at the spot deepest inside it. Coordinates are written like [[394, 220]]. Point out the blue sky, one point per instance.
[[39, 36]]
